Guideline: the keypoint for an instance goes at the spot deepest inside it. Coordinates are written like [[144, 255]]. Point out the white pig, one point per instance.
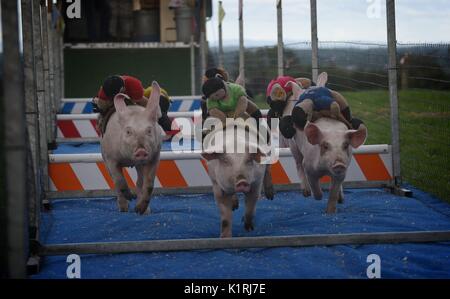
[[133, 138], [232, 173], [325, 148]]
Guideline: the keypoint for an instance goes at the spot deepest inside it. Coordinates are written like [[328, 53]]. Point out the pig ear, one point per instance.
[[211, 156], [296, 89], [357, 137], [119, 103], [240, 80], [322, 79], [153, 102], [313, 133]]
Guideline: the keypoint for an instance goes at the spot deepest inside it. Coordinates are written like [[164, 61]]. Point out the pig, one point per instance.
[[324, 147], [133, 138], [233, 173]]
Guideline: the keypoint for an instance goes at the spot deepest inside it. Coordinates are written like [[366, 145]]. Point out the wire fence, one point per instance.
[[360, 71]]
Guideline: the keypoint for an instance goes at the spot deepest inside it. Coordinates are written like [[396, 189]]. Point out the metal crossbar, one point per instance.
[[245, 242]]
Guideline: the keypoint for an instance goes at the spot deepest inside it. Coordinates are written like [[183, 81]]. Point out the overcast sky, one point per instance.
[[338, 20]]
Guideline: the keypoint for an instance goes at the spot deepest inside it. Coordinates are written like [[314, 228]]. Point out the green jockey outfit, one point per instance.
[[235, 92]]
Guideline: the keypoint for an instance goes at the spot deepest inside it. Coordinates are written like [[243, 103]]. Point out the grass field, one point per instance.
[[424, 133]]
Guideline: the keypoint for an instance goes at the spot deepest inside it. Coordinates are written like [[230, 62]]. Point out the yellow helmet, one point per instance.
[[148, 91]]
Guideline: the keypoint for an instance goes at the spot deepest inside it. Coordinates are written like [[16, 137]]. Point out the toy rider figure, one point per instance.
[[222, 74], [318, 102], [228, 100], [164, 105], [278, 92], [103, 103]]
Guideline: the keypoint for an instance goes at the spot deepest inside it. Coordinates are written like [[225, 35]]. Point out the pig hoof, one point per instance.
[[318, 196], [249, 226], [225, 235], [270, 194], [331, 211], [123, 209], [142, 209], [341, 198], [306, 193]]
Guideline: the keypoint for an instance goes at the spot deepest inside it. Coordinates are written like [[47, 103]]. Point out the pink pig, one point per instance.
[[133, 138]]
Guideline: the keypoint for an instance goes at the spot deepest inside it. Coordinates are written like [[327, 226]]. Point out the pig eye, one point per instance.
[[324, 147], [148, 131], [128, 131], [345, 146]]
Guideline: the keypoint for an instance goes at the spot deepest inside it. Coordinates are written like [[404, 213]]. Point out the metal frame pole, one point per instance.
[[280, 38], [241, 42], [15, 145], [314, 41], [393, 92], [192, 50], [245, 242], [41, 98], [221, 64], [203, 54], [31, 112], [46, 63]]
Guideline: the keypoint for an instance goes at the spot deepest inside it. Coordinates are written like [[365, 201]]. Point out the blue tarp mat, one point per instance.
[[196, 216], [89, 148]]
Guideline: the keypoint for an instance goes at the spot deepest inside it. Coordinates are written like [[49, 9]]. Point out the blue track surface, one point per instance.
[[177, 217], [88, 148]]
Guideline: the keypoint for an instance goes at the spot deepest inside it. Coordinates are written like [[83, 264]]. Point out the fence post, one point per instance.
[[31, 113], [203, 50], [192, 65], [241, 42], [220, 38], [46, 63], [393, 92], [41, 99], [280, 38], [15, 145], [314, 41]]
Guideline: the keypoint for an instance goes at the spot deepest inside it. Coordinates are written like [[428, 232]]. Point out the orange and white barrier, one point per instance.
[[82, 172], [83, 126]]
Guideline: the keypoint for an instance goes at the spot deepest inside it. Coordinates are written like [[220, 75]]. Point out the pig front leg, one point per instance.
[[235, 202], [314, 183], [225, 204], [148, 173], [335, 194], [298, 157], [250, 207], [121, 187], [341, 195], [268, 185]]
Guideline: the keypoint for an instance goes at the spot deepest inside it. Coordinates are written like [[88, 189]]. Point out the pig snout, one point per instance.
[[141, 154], [242, 186], [339, 167]]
